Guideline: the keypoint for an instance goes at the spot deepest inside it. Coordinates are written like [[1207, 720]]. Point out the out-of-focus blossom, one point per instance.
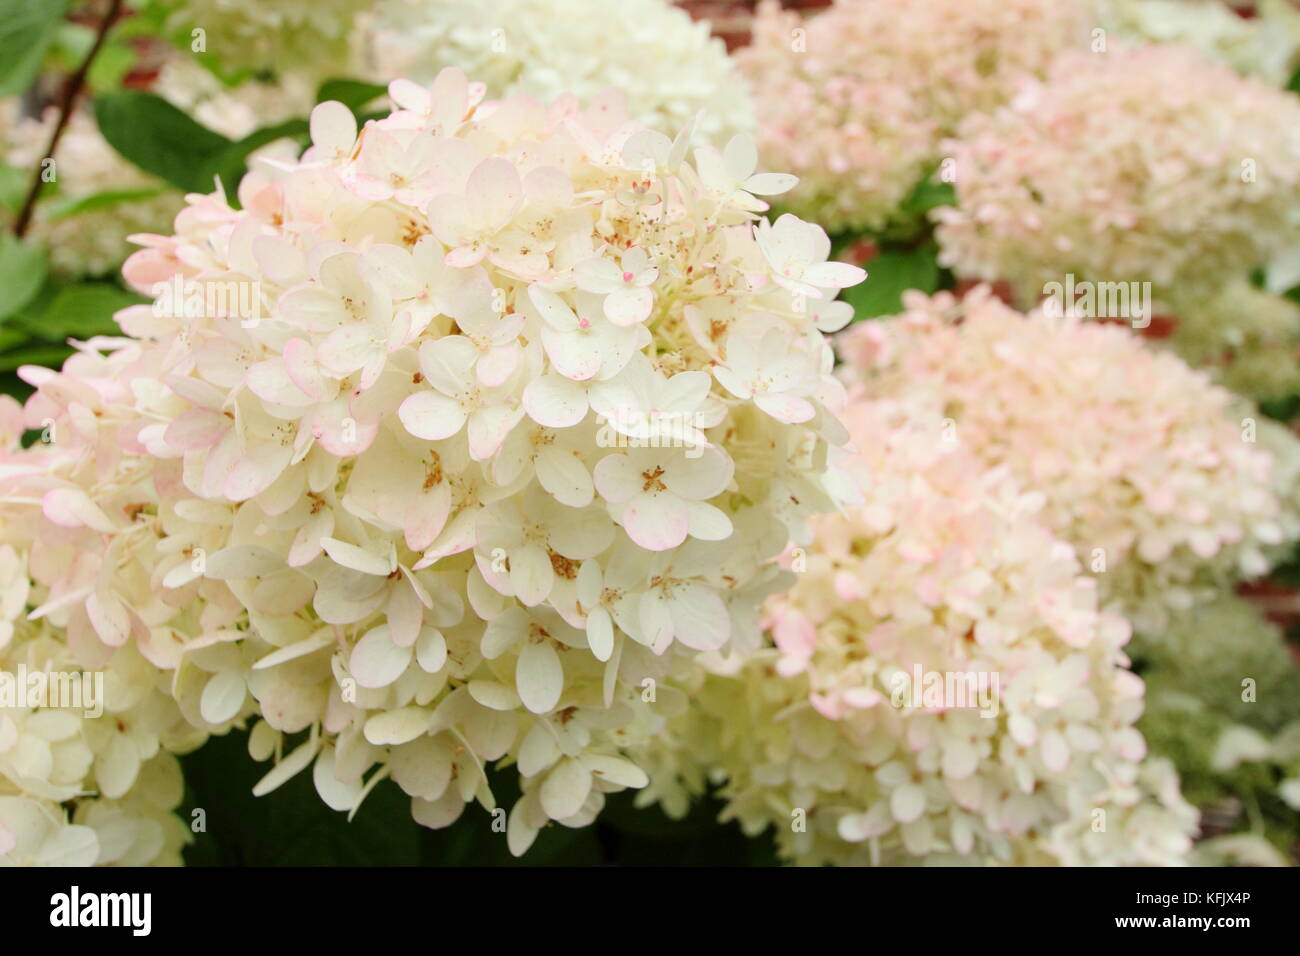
[[1266, 44], [1147, 164], [856, 99], [943, 687], [667, 66], [99, 197], [1167, 487]]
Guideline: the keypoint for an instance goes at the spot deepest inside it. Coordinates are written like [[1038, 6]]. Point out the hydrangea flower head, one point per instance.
[[846, 737], [1166, 486], [1055, 183], [667, 66], [856, 99], [449, 440]]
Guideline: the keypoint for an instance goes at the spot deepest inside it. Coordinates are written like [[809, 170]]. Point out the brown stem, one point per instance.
[[71, 90]]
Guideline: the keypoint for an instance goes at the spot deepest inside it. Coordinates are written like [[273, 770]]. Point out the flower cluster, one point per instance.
[[667, 66], [1221, 703], [87, 734], [1166, 488], [99, 197], [286, 36], [461, 427], [943, 686], [1267, 44], [1248, 338], [1147, 164], [857, 99]]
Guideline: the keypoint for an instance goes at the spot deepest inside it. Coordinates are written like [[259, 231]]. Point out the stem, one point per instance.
[[71, 90]]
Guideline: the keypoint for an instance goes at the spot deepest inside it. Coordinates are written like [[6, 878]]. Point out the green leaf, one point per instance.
[[26, 28], [159, 138], [290, 826], [80, 311], [232, 162], [928, 195], [354, 94], [113, 62], [14, 184], [50, 356], [22, 271], [99, 201], [889, 275]]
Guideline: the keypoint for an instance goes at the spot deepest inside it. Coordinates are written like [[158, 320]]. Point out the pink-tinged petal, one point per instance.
[[699, 615], [445, 364], [313, 308], [786, 408], [493, 193], [306, 546], [539, 677], [907, 803], [270, 382], [833, 275], [617, 478], [356, 558], [531, 574], [449, 218], [464, 257], [488, 428], [553, 309], [300, 365], [576, 357], [409, 95], [405, 615], [498, 364], [377, 661], [196, 428], [257, 470], [431, 416], [109, 617], [565, 476], [345, 350], [699, 478], [555, 402], [427, 516], [598, 275], [333, 127], [72, 508], [629, 306], [657, 522], [707, 522]]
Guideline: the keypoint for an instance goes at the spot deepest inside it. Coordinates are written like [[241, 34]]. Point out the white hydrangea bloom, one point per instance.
[[845, 737], [316, 506], [667, 66], [1266, 44], [284, 36], [1168, 487]]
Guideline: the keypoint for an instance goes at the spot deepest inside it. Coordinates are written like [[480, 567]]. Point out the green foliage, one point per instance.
[[293, 827], [22, 270], [354, 94], [159, 138], [26, 29], [889, 275]]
